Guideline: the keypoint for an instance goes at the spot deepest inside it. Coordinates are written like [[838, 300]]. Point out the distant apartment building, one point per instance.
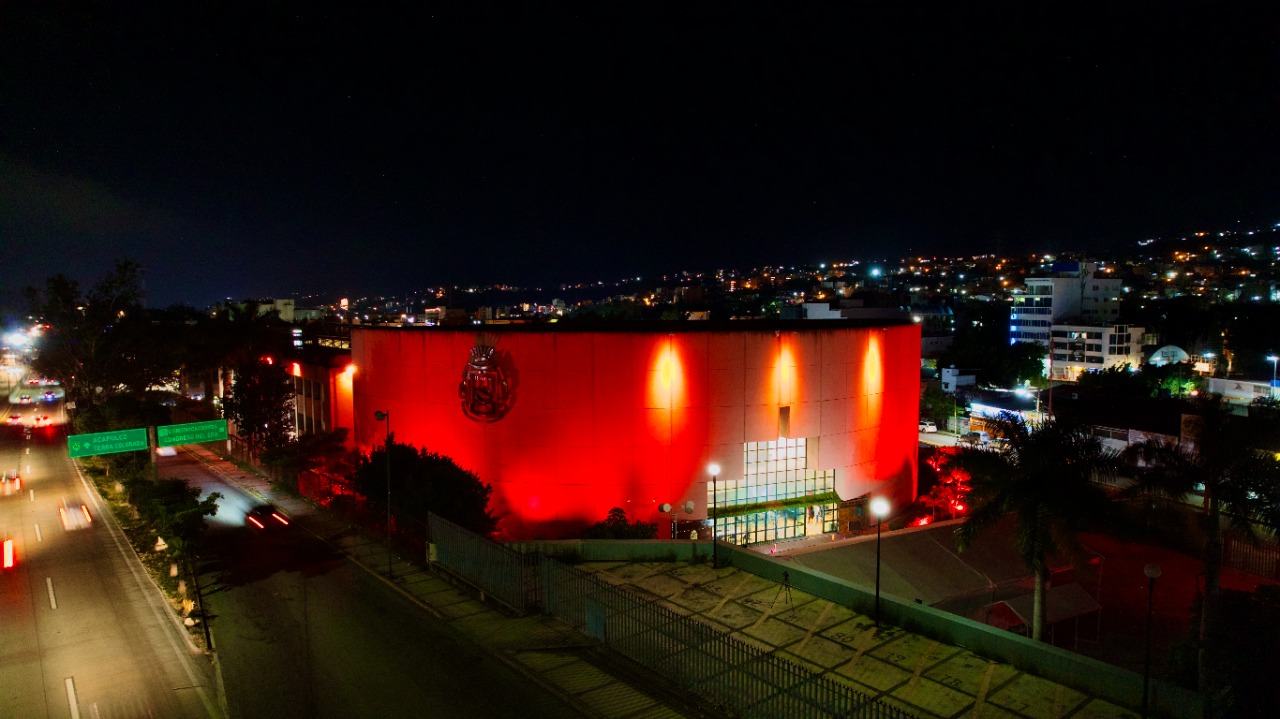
[[1070, 292], [1078, 348], [1074, 312]]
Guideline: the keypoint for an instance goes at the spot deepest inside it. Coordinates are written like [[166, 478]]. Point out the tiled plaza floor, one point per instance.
[[925, 677]]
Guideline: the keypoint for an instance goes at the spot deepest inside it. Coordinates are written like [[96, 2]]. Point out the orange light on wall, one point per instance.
[[295, 369], [873, 380], [8, 554], [349, 370], [785, 374], [666, 378]]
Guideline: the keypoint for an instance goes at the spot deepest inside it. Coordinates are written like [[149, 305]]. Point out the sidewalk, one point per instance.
[[552, 654]]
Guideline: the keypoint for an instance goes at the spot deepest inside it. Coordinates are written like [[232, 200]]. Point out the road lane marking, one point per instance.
[[71, 697], [53, 601], [38, 537]]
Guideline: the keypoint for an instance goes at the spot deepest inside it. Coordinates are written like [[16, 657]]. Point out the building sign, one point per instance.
[[485, 394], [124, 440], [173, 435]]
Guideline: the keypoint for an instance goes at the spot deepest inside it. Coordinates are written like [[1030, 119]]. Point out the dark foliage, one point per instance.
[[261, 404], [616, 526], [423, 482]]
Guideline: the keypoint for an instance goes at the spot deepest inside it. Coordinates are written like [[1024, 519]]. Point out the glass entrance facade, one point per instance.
[[781, 496]]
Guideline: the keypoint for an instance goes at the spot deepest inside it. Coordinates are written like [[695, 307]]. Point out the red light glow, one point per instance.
[[284, 521], [295, 369], [260, 525], [631, 419]]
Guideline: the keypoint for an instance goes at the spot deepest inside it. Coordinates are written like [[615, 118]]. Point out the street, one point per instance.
[[83, 630], [302, 631]]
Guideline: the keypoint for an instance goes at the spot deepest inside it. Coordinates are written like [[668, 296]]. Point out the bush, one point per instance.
[[616, 526]]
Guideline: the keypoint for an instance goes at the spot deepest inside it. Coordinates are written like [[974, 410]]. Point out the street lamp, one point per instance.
[[879, 507], [385, 415], [1274, 359], [1153, 573], [713, 469]]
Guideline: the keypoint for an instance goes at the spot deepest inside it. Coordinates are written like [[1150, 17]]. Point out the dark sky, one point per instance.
[[268, 148]]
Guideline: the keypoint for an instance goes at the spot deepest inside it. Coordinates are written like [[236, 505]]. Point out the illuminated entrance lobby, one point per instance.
[[567, 421]]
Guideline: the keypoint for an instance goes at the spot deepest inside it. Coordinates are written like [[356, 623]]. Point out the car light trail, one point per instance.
[[8, 554]]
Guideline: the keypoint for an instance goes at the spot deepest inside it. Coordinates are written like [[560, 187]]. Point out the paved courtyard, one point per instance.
[[925, 677]]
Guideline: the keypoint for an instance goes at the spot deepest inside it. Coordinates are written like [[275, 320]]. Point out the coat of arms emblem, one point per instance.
[[484, 391]]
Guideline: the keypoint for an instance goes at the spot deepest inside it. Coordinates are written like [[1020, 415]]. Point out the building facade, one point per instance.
[[566, 422], [1076, 349], [1070, 292]]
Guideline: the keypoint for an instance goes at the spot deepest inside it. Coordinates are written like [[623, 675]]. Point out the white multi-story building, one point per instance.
[[1071, 292], [1073, 311], [1077, 348]]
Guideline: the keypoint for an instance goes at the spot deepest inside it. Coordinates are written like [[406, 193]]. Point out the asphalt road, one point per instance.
[[301, 631], [83, 631]]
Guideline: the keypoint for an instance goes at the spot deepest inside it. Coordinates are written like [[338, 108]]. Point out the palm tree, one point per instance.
[[1227, 458], [1045, 481]]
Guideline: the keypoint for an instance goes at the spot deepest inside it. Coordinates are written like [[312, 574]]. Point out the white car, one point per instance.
[[926, 426]]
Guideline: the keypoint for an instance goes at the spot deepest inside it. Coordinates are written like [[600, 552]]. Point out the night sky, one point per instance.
[[270, 148]]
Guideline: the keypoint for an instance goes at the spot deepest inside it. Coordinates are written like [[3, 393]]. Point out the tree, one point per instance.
[[261, 404], [616, 526], [982, 344], [174, 509], [99, 343], [936, 404], [1231, 460], [322, 451], [423, 482], [1044, 482]]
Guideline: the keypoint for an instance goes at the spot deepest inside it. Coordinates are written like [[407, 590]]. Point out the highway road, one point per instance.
[[301, 631], [83, 630]]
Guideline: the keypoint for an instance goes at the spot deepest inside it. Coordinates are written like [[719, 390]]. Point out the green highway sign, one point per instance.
[[122, 440], [172, 435]]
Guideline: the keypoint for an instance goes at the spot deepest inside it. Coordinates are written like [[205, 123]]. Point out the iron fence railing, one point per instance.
[[1261, 559], [699, 658]]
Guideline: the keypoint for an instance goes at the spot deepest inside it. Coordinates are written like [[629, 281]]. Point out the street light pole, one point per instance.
[[714, 470], [1274, 359], [1153, 573], [385, 415], [879, 507]]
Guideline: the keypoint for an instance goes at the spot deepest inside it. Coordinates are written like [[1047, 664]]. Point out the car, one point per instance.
[[926, 426], [977, 439], [24, 399], [49, 396], [1000, 444], [40, 420], [14, 419], [265, 518]]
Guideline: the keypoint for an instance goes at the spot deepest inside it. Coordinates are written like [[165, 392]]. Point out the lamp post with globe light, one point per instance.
[[879, 507]]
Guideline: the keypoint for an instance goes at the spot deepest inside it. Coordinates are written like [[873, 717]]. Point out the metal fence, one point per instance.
[[700, 659], [505, 574], [1261, 559]]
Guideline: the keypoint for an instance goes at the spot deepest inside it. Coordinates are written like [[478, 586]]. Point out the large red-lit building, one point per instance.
[[567, 421]]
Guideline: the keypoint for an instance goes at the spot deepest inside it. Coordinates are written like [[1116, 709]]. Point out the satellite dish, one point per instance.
[[688, 507], [664, 507]]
